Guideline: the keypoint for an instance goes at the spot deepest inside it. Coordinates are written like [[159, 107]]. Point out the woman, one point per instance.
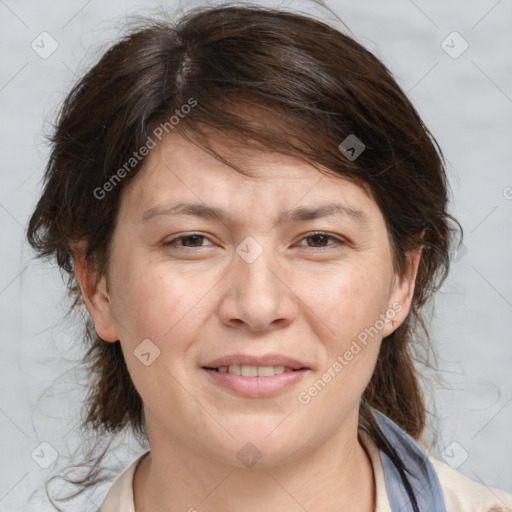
[[254, 215]]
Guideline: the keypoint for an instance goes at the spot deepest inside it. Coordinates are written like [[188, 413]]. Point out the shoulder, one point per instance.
[[461, 494], [432, 479], [120, 494]]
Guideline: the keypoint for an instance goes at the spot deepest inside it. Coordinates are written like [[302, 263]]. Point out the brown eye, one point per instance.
[[192, 241], [319, 240]]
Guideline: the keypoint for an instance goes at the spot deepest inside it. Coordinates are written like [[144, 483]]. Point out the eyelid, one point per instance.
[[185, 235], [338, 239]]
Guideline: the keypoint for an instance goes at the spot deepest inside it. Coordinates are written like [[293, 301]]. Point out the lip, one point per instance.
[[250, 360], [255, 387]]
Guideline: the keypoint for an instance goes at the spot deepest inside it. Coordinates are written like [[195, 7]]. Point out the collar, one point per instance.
[[422, 476], [391, 495]]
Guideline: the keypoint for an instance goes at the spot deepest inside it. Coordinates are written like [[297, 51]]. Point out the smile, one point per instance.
[[254, 381], [252, 371]]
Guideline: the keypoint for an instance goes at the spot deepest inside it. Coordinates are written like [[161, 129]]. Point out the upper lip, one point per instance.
[[250, 360]]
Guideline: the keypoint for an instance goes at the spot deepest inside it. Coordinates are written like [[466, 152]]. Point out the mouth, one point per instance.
[[253, 371], [255, 377]]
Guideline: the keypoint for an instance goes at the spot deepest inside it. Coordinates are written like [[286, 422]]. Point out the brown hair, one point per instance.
[[267, 79]]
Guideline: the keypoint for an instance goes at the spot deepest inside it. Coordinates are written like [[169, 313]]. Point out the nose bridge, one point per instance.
[[256, 263], [258, 295], [255, 268]]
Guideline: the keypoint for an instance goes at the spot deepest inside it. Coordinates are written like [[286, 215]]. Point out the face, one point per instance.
[[285, 277]]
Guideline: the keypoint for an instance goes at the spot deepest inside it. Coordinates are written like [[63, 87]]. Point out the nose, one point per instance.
[[258, 294]]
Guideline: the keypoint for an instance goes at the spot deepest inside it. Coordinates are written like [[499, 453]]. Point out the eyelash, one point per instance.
[[173, 241]]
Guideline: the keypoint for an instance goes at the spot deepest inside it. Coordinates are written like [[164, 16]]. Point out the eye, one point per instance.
[[192, 240], [319, 239]]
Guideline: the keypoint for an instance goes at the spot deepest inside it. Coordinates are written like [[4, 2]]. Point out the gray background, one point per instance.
[[465, 101]]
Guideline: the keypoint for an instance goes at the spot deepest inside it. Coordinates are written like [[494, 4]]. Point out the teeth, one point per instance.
[[249, 371], [267, 371], [234, 369], [253, 371]]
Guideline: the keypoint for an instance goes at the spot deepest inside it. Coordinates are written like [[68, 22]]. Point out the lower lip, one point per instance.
[[256, 387]]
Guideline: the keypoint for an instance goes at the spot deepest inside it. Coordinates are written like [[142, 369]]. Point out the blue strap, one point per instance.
[[422, 477]]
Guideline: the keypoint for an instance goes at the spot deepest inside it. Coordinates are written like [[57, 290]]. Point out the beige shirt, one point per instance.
[[460, 493]]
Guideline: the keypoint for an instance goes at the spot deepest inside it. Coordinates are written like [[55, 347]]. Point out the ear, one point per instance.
[[95, 294], [402, 292]]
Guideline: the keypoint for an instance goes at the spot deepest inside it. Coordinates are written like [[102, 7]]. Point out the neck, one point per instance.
[[337, 476]]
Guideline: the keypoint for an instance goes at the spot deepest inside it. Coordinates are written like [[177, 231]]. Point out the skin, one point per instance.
[[304, 297]]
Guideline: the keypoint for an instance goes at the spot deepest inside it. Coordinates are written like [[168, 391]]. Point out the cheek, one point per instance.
[[350, 303], [164, 307], [151, 301], [349, 309]]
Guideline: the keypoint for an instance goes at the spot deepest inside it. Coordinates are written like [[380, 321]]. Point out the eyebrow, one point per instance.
[[301, 213]]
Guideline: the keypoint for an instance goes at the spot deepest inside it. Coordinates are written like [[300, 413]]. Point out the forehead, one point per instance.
[[179, 172]]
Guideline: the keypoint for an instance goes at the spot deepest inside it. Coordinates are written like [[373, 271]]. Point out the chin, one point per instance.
[[259, 448]]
